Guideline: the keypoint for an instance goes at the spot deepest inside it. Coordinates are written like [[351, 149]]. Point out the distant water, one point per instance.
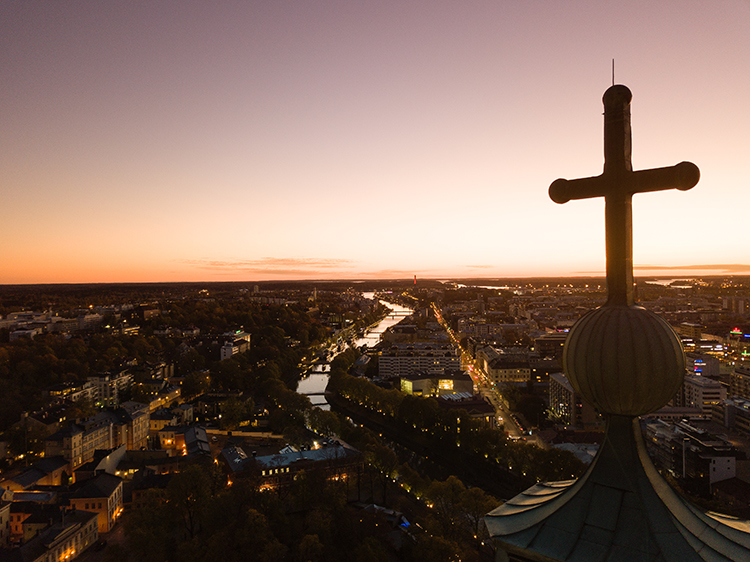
[[668, 282], [491, 287]]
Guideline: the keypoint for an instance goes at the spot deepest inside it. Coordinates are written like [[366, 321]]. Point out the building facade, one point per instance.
[[405, 359], [236, 342], [102, 495], [739, 382], [433, 384], [568, 406], [703, 393], [109, 386], [694, 456]]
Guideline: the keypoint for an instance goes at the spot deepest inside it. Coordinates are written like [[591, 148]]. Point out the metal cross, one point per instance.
[[617, 184]]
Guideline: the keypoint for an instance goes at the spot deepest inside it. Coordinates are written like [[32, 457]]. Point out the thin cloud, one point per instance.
[[720, 268], [707, 269], [394, 273], [276, 266]]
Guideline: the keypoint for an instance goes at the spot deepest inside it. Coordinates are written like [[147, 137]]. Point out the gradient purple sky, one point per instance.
[[284, 139]]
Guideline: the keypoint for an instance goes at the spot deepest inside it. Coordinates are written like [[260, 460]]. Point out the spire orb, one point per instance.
[[624, 360]]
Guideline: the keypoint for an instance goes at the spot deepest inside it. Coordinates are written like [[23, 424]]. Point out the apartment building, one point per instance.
[[702, 392], [407, 358]]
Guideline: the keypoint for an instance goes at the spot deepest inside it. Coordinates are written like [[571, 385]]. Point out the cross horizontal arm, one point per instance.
[[562, 190], [682, 176]]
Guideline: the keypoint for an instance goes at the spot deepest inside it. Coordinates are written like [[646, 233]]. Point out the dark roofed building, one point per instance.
[[234, 459], [474, 405], [160, 419], [137, 418], [404, 359], [4, 524], [105, 460], [68, 536], [187, 441], [47, 471], [734, 493], [67, 442], [335, 461], [101, 494], [28, 518], [501, 370], [551, 344]]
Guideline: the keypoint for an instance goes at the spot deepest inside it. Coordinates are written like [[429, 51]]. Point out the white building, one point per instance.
[[703, 393], [237, 342], [407, 358], [108, 387]]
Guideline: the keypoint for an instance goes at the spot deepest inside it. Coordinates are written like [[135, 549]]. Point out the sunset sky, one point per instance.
[[315, 139]]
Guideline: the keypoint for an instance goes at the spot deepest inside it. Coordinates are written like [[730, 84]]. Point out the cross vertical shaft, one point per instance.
[[618, 207]]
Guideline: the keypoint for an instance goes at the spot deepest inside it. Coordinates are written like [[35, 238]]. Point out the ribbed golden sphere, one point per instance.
[[625, 360]]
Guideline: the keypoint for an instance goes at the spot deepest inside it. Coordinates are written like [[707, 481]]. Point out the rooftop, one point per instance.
[[102, 485]]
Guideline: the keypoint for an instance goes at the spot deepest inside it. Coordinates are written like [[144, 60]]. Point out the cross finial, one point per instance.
[[617, 184]]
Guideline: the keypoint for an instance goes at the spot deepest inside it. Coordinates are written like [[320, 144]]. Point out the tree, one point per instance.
[[370, 550], [475, 504], [25, 439], [310, 549], [234, 411], [147, 528], [80, 408], [325, 422], [434, 386], [319, 522], [385, 461], [295, 436], [227, 375], [533, 408], [196, 383], [421, 413], [446, 498], [412, 480], [434, 548], [248, 536], [189, 493]]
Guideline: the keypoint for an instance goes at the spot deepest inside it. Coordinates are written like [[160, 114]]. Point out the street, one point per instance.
[[492, 395]]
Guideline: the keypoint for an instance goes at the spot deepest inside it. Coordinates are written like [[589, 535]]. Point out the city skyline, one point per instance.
[[342, 140]]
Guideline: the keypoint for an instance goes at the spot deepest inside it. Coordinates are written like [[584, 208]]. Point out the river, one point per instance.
[[314, 383]]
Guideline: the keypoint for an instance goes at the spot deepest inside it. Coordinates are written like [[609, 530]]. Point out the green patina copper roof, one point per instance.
[[620, 510]]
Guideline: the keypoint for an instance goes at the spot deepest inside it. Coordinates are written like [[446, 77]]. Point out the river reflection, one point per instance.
[[396, 314], [313, 384]]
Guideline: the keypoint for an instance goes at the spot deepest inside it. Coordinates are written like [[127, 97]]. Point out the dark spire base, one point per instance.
[[620, 510]]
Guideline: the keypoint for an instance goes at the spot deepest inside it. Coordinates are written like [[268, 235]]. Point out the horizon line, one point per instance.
[[439, 278]]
